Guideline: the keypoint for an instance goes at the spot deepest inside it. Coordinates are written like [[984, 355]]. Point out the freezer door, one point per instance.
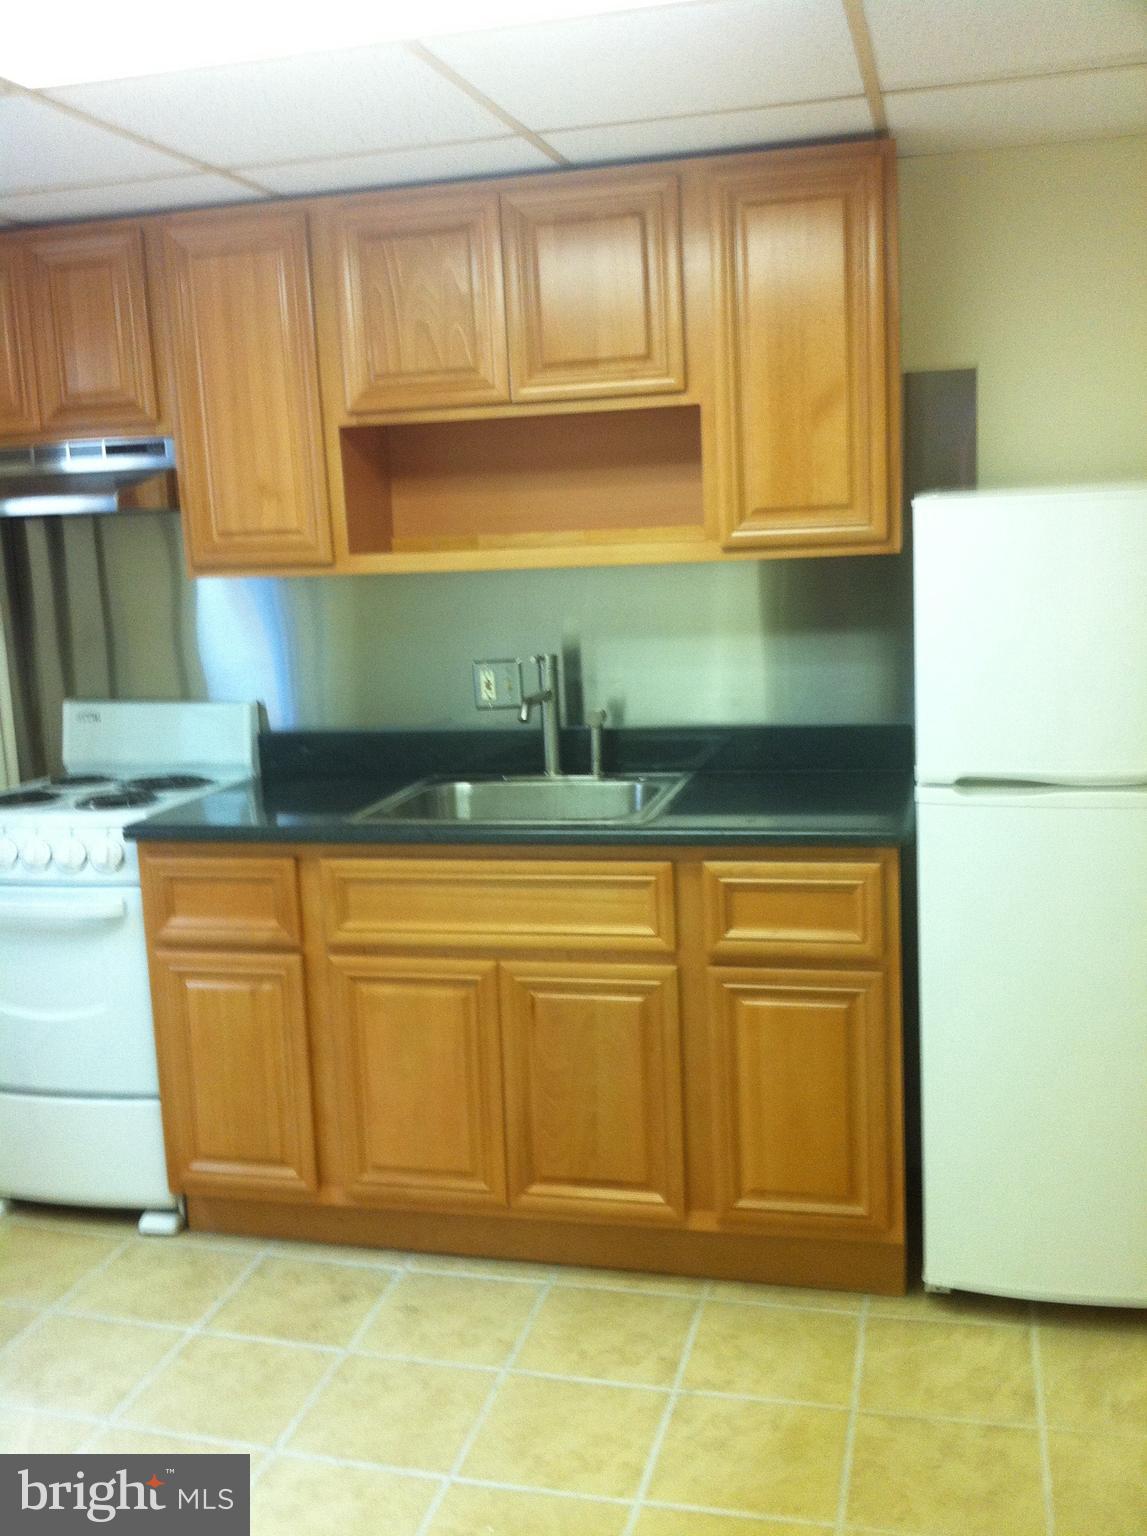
[[1031, 635], [1033, 956]]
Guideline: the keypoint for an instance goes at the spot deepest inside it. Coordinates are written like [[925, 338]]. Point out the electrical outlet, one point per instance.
[[498, 684]]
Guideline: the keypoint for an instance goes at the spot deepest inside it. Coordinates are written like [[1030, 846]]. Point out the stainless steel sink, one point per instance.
[[529, 801]]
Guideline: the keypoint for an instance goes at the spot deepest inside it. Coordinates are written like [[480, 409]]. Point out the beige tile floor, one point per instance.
[[405, 1395]]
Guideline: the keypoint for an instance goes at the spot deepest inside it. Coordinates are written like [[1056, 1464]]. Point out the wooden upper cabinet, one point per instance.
[[593, 276], [593, 1090], [18, 414], [805, 450], [805, 1102], [93, 342], [234, 1069], [421, 315], [252, 479]]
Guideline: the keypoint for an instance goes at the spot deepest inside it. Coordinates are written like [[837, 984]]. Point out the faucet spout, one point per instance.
[[547, 698]]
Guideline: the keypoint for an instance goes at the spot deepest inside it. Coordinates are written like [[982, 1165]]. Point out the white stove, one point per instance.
[[80, 1117], [122, 762]]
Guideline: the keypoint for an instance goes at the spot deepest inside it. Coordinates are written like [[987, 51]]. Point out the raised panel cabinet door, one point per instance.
[[802, 398], [421, 309], [234, 1074], [593, 1090], [18, 414], [593, 275], [804, 1101], [252, 478], [419, 1091], [94, 357]]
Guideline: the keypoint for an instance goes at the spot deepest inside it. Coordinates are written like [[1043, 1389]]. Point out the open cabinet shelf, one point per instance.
[[600, 477]]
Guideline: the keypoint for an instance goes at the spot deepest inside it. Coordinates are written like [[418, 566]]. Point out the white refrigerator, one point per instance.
[[1031, 748]]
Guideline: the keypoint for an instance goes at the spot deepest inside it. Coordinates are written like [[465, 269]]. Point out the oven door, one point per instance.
[[75, 1011]]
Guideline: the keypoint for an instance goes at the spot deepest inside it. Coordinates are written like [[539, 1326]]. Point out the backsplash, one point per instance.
[[104, 607]]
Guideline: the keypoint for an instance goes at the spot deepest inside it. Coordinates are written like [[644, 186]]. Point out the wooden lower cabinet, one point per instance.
[[418, 1080], [730, 1105], [800, 1105], [234, 1066], [593, 1089]]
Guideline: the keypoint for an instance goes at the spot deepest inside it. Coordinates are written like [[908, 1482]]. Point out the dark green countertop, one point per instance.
[[780, 785]]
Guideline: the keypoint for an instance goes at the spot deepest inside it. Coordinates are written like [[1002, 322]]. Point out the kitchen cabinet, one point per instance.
[[692, 360], [723, 329], [416, 1055], [420, 312], [252, 481], [18, 412], [76, 347], [800, 1087], [805, 399], [640, 1056], [94, 362], [234, 1072], [593, 272], [593, 1087]]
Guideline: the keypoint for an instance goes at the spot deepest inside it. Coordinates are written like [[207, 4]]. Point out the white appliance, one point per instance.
[[1031, 718], [79, 1094]]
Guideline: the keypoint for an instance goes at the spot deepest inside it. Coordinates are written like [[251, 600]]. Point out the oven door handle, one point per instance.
[[61, 912]]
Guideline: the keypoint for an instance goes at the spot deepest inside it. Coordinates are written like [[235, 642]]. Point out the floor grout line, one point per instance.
[[320, 1386], [483, 1413], [1041, 1423], [853, 1415], [58, 1307], [119, 1412], [674, 1398]]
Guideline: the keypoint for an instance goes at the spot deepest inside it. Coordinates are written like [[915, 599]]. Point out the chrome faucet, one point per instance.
[[596, 722], [547, 698]]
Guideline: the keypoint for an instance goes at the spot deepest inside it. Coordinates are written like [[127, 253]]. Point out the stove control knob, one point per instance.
[[106, 854], [70, 853], [35, 853], [9, 853]]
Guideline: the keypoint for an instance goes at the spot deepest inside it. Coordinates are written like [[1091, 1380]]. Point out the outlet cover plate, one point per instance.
[[498, 684]]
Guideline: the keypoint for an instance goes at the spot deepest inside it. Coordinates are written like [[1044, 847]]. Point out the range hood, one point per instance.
[[93, 475]]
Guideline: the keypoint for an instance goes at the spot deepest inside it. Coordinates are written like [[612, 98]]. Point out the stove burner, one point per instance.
[[117, 800], [168, 781], [28, 797], [80, 780]]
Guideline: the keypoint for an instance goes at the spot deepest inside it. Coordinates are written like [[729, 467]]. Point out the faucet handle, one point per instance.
[[596, 718]]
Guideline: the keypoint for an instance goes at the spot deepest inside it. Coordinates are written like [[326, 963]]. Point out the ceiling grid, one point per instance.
[[686, 76]]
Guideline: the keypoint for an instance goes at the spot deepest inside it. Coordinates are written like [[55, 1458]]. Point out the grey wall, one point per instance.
[[792, 641], [110, 610]]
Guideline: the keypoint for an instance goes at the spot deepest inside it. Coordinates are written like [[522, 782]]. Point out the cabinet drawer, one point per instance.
[[810, 909], [496, 905], [245, 903]]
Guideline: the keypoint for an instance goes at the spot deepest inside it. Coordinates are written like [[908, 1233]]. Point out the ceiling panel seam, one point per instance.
[[866, 61], [91, 121], [421, 52]]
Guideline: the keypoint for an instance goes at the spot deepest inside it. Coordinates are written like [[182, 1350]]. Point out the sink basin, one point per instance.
[[529, 801]]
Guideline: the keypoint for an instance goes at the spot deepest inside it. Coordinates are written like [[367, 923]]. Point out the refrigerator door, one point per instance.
[[1031, 635], [1033, 960]]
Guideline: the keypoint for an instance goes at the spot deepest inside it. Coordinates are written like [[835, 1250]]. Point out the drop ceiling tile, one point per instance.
[[125, 197], [725, 130], [714, 57], [42, 147], [939, 42], [438, 163], [1054, 109], [362, 99]]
